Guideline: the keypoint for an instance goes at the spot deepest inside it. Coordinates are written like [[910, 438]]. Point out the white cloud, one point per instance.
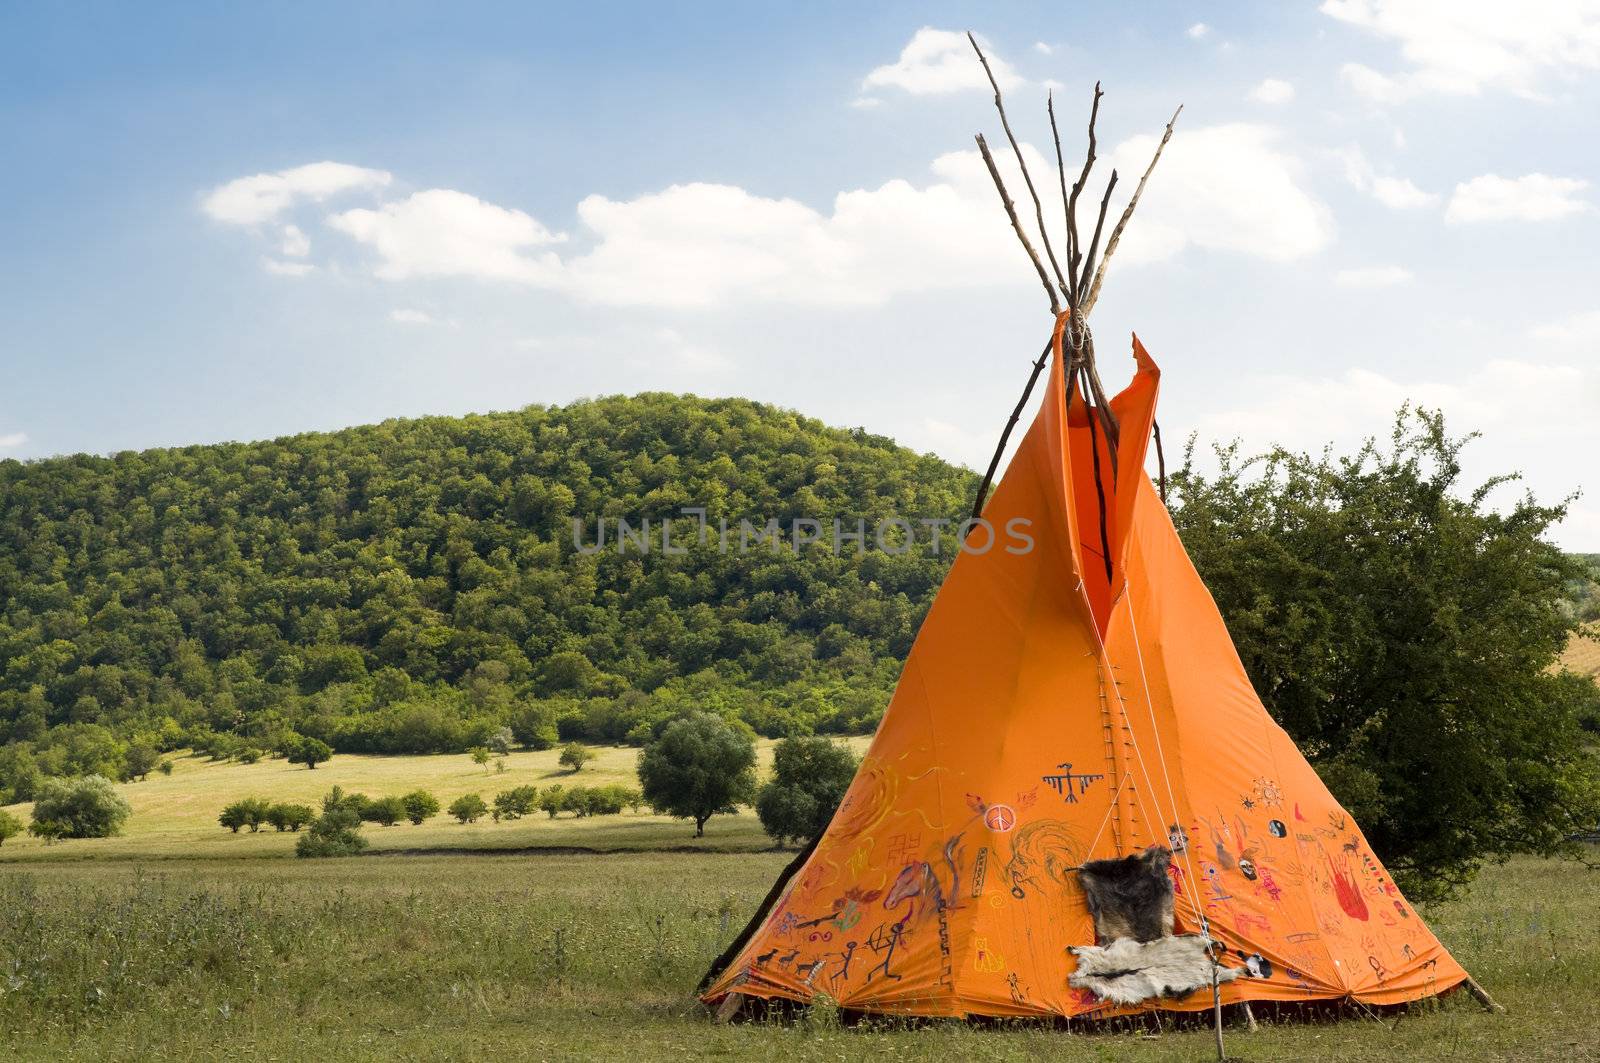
[[1397, 193], [296, 244], [1272, 91], [1372, 277], [1462, 47], [866, 103], [1225, 188], [1308, 411], [408, 316], [286, 269], [1532, 197], [1043, 48], [1198, 31], [1581, 330], [940, 61], [442, 233], [667, 346], [1495, 397], [259, 198], [12, 440]]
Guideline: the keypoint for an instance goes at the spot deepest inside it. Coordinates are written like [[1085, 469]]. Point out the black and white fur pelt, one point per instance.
[[1136, 956]]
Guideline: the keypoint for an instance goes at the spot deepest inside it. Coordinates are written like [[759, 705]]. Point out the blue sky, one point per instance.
[[262, 220]]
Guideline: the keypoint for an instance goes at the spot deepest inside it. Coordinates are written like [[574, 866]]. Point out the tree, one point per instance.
[[480, 757], [700, 766], [574, 756], [289, 817], [85, 807], [515, 803], [533, 725], [500, 741], [310, 752], [468, 808], [385, 811], [336, 832], [1405, 634], [10, 826], [140, 760], [551, 801], [420, 805], [810, 775], [249, 812]]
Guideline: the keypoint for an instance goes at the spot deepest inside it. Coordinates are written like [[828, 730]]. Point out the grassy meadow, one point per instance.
[[581, 956], [1582, 654], [176, 815], [181, 940]]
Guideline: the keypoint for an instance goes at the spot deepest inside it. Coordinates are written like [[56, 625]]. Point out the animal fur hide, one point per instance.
[[1130, 897], [1129, 972]]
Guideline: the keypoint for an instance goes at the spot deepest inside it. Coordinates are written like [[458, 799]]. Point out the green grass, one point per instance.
[[176, 815], [180, 940], [596, 956]]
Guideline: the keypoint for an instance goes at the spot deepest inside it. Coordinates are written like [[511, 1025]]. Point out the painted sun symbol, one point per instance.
[[1268, 793]]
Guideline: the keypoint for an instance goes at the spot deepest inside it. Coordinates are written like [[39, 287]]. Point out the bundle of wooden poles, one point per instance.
[[1078, 289]]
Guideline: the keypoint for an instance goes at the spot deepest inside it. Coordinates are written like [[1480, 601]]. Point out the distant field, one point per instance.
[[176, 815], [1582, 654], [558, 956]]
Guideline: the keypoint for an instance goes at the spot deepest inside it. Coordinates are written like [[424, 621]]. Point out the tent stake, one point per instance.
[[1482, 996], [730, 1007]]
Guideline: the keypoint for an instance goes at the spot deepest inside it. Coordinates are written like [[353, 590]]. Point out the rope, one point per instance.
[[1105, 663], [1144, 679], [1089, 852]]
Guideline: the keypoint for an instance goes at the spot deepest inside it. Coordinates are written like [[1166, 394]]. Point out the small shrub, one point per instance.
[[165, 767], [550, 801], [420, 805], [574, 756], [310, 752], [288, 817], [480, 756], [516, 802], [468, 808], [249, 812], [500, 741], [336, 832], [10, 826], [249, 755], [384, 811]]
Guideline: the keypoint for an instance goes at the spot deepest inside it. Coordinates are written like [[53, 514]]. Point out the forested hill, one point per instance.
[[413, 585]]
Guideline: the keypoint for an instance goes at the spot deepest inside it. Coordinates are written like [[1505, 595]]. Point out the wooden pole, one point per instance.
[[1216, 1012], [1005, 435], [720, 964]]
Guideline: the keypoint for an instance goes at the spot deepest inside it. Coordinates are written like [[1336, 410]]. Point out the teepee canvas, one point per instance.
[[1075, 804], [1075, 795]]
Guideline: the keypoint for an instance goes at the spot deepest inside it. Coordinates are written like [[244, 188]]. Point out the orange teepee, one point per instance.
[[1048, 715]]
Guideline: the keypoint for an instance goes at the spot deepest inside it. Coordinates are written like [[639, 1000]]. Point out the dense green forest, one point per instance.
[[414, 585]]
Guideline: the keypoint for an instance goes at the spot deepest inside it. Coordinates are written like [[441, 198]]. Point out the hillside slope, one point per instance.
[[408, 586]]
